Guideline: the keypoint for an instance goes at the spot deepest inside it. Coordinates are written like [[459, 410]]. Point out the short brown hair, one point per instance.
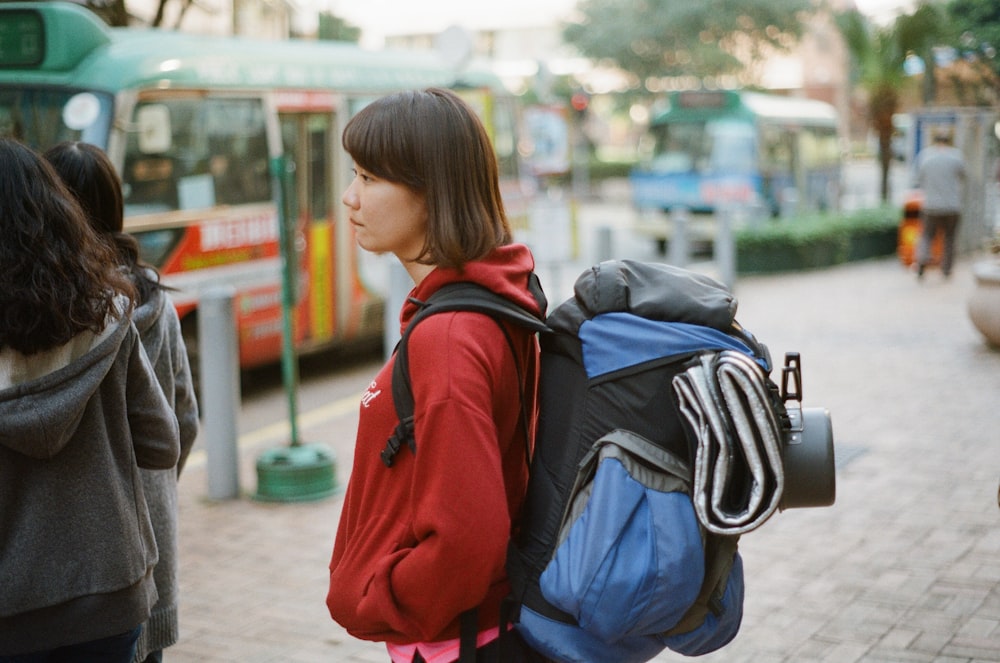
[[434, 143]]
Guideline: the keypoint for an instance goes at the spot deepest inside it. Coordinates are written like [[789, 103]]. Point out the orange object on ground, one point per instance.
[[910, 228]]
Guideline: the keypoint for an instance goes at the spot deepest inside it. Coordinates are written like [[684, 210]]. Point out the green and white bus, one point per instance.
[[715, 148], [192, 122]]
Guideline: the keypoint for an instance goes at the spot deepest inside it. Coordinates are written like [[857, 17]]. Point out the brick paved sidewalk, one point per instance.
[[904, 567]]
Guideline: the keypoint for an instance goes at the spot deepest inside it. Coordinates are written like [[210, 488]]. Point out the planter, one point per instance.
[[984, 304]]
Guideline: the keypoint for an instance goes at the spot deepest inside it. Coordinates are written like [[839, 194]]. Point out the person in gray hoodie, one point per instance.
[[91, 176], [80, 412]]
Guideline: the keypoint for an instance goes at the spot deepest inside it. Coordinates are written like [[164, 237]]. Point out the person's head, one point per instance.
[[91, 177], [434, 144], [57, 278]]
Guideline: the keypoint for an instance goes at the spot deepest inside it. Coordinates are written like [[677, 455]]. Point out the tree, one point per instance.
[[112, 12], [337, 29], [161, 8], [656, 38], [877, 55], [976, 25], [919, 33]]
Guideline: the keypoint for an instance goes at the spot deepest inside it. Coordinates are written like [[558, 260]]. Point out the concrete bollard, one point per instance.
[[400, 285], [678, 248], [220, 390], [604, 243], [724, 246]]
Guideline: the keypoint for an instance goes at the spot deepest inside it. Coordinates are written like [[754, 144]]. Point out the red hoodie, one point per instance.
[[425, 540]]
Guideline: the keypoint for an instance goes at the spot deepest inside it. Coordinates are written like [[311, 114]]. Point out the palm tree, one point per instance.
[[878, 53], [877, 57], [919, 32]]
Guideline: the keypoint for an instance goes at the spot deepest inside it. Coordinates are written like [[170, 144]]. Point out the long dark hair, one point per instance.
[[434, 143], [57, 278], [90, 175]]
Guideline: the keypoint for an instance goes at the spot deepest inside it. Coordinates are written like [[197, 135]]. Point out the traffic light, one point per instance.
[[579, 102]]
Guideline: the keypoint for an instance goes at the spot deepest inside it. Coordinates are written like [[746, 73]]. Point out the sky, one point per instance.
[[378, 18]]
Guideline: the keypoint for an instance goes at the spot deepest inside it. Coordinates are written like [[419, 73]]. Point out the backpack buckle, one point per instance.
[[403, 433], [791, 377]]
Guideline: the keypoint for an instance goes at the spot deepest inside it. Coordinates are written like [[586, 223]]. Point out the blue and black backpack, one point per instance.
[[660, 441]]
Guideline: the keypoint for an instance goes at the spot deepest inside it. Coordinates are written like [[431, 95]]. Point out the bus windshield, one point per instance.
[[41, 116], [714, 146], [212, 150]]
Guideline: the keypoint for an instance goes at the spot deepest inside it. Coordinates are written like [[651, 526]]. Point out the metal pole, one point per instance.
[[286, 243], [220, 390]]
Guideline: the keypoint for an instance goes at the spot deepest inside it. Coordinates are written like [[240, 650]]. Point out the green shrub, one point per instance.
[[598, 170], [816, 240], [602, 170]]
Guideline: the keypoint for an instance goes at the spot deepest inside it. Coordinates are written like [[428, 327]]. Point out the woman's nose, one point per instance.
[[350, 198]]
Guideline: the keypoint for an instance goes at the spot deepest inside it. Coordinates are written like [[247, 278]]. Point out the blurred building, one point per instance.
[[528, 55], [817, 68], [265, 19]]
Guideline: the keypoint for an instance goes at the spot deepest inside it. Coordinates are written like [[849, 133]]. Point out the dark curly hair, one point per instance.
[[90, 175], [57, 277]]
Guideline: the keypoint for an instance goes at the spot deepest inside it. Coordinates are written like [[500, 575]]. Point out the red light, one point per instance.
[[579, 101]]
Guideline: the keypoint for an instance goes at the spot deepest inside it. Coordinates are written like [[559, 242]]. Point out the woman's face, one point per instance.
[[387, 217]]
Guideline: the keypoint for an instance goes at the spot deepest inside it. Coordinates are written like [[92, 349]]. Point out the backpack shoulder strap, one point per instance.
[[460, 296]]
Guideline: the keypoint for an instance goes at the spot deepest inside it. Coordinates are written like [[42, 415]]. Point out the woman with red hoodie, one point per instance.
[[424, 541]]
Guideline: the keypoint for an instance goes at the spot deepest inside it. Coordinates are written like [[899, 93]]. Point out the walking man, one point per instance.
[[940, 174]]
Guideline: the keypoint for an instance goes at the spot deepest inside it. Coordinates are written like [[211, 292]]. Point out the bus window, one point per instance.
[[732, 147], [820, 147], [216, 155], [306, 141], [318, 128], [776, 150], [42, 117], [678, 148]]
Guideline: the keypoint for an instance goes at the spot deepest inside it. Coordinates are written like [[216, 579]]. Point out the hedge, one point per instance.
[[817, 240]]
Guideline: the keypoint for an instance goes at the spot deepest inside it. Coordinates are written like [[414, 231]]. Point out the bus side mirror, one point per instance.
[[153, 124]]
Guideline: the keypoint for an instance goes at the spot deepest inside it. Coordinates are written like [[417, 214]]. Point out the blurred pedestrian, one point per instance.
[[80, 412], [91, 176], [940, 175], [421, 545]]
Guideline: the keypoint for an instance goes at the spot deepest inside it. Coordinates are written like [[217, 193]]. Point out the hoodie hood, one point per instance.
[[506, 271], [39, 416], [146, 319]]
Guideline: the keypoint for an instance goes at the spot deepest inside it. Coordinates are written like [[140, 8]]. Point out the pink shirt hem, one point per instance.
[[445, 651]]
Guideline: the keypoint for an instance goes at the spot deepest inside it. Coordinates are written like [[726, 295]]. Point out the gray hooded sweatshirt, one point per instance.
[[76, 545], [160, 331]]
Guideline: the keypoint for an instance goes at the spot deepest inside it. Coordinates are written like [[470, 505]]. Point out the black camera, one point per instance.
[[807, 445]]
